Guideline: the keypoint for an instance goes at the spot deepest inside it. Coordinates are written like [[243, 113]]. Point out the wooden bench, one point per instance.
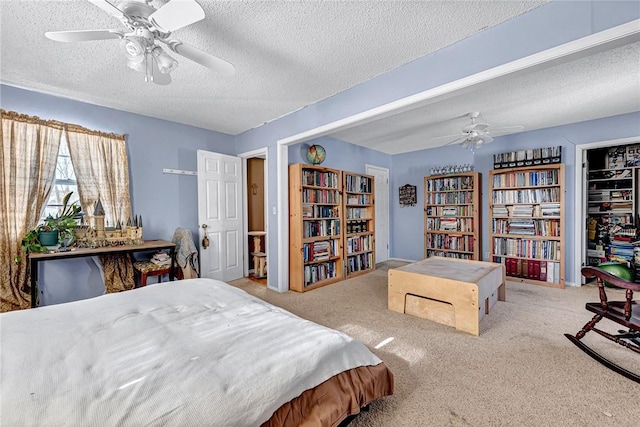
[[625, 313]]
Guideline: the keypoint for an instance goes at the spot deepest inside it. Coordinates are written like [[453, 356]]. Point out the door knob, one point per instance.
[[205, 239]]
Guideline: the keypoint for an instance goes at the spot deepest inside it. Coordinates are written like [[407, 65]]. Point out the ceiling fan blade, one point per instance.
[[176, 14], [83, 35], [455, 135], [479, 127], [216, 64], [458, 140], [109, 8]]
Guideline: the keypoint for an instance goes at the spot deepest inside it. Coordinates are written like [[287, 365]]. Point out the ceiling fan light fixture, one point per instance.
[[166, 64], [134, 49]]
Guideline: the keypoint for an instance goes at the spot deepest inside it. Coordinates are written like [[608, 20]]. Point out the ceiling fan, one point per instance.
[[475, 135], [147, 25]]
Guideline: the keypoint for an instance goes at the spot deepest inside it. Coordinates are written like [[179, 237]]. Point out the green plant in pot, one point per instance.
[[58, 228]]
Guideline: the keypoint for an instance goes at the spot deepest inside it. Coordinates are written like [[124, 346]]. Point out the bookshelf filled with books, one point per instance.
[[452, 216], [526, 209], [359, 244], [315, 227]]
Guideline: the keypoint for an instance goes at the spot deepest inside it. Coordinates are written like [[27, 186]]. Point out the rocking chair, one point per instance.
[[625, 313]]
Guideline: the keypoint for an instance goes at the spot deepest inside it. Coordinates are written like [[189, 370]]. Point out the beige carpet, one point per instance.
[[520, 371]]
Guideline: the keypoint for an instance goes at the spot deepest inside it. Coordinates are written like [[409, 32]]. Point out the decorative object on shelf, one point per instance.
[[531, 157], [407, 195], [451, 169], [316, 154]]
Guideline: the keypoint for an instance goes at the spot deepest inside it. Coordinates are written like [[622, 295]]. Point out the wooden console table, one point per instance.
[[148, 245]]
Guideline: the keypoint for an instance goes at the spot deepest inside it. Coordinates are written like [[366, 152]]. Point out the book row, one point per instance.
[[358, 184], [357, 226], [450, 224], [320, 196], [456, 198], [320, 251], [528, 227], [545, 271], [526, 211], [354, 199], [453, 243], [531, 157], [359, 244], [320, 179], [448, 184], [320, 211], [359, 262], [539, 195], [526, 179], [526, 248], [317, 272], [357, 213], [455, 211], [325, 227], [458, 255]]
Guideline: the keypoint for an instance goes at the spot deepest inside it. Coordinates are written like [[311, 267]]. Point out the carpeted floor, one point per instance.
[[520, 371]]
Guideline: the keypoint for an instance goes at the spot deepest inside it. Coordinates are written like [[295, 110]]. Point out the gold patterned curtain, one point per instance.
[[28, 160], [102, 171]]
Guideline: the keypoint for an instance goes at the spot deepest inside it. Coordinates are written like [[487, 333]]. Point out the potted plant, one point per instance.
[[58, 228]]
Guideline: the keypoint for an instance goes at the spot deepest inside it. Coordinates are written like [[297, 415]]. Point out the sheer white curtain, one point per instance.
[[102, 171], [28, 165]]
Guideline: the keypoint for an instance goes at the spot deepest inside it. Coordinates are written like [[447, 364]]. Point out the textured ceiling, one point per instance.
[[599, 85], [288, 54]]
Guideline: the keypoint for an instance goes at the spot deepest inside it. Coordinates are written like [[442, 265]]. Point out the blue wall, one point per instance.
[[168, 201], [411, 168], [165, 201]]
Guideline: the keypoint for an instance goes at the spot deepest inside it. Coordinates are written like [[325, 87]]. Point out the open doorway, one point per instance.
[[607, 192], [255, 213]]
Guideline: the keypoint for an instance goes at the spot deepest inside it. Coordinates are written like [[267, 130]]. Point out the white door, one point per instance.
[[220, 215], [381, 198]]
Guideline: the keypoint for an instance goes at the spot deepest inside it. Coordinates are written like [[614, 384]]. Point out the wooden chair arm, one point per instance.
[[590, 272]]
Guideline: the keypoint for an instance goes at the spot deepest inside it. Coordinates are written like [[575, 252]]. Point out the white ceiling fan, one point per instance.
[[475, 135], [146, 25]]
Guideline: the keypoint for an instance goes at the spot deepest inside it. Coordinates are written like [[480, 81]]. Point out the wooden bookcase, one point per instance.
[[526, 208], [359, 211], [452, 216], [316, 225]]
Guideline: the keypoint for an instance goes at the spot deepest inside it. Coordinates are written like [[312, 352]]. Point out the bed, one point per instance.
[[190, 352]]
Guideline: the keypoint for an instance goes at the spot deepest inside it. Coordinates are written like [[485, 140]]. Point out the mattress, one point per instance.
[[190, 352]]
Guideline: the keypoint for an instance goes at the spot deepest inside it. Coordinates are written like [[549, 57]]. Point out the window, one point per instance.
[[65, 182]]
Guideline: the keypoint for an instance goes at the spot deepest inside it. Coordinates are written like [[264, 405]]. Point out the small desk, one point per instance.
[[450, 291], [148, 245]]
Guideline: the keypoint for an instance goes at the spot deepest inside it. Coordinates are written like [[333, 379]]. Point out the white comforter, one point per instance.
[[193, 352]]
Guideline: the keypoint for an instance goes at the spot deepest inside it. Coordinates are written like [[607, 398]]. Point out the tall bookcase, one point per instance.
[[452, 216], [359, 242], [526, 207], [315, 227]]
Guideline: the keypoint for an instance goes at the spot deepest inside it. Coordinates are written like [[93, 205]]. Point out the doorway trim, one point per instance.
[[578, 202], [616, 36], [261, 153], [368, 168]]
